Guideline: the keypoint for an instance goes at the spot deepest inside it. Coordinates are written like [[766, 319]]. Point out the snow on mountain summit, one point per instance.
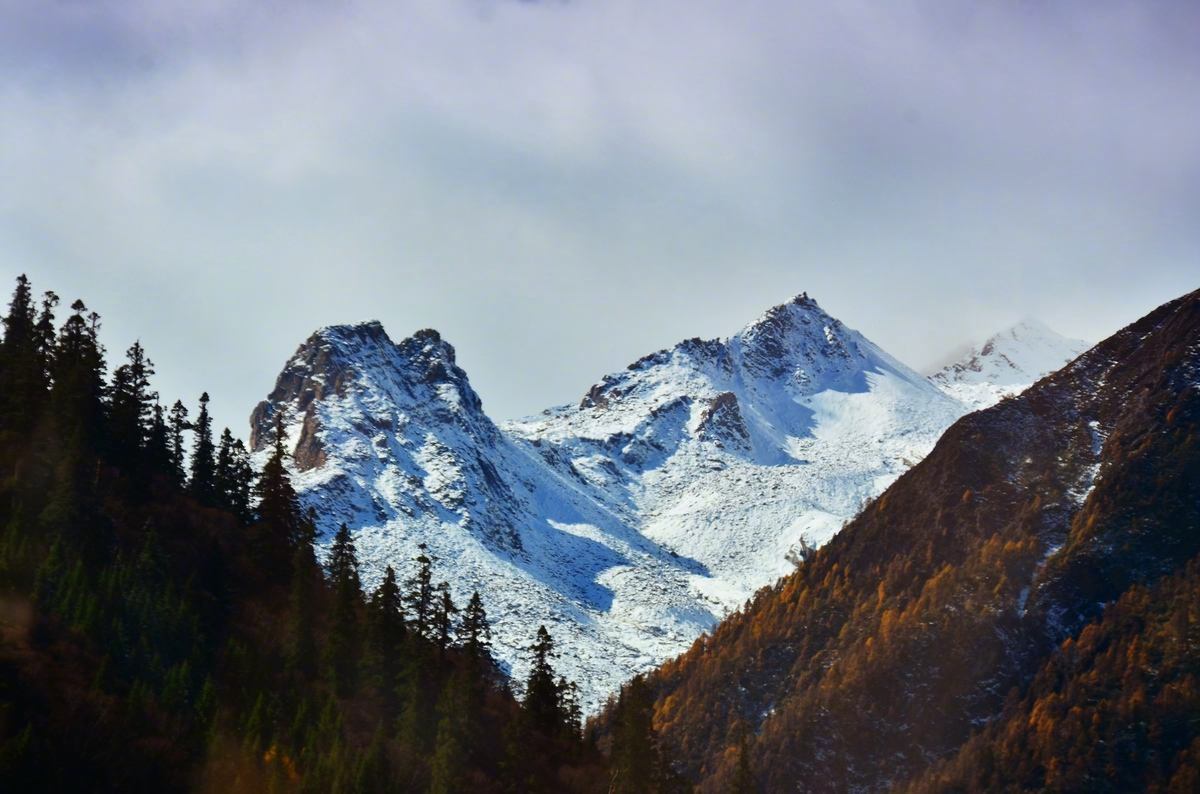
[[627, 523], [1007, 363]]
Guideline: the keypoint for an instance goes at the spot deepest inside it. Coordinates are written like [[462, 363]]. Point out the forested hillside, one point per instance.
[[164, 624], [959, 600]]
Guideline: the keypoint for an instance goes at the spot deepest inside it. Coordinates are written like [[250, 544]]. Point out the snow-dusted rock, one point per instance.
[[629, 523], [1007, 364]]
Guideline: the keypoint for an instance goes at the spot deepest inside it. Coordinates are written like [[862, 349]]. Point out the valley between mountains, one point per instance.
[[633, 521]]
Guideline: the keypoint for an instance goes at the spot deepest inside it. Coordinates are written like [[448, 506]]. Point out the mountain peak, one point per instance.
[[1008, 362]]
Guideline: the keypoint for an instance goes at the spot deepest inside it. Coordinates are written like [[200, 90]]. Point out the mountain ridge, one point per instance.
[[630, 522]]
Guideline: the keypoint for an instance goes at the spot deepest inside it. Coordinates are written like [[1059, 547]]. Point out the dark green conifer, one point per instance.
[[444, 611], [344, 636], [543, 700], [419, 597], [20, 363], [131, 408], [177, 425], [202, 481]]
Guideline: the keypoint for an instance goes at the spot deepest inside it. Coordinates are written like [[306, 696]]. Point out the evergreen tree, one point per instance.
[[444, 611], [46, 338], [202, 481], [636, 764], [301, 647], [419, 597], [177, 425], [234, 476], [542, 696], [241, 481], [77, 422], [455, 734], [20, 363], [344, 637], [279, 527], [158, 441], [131, 407], [475, 633], [385, 635], [77, 394]]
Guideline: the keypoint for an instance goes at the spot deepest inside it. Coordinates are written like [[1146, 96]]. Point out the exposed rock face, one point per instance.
[[629, 523]]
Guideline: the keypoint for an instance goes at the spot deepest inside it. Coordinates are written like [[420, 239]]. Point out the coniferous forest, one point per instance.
[[165, 624]]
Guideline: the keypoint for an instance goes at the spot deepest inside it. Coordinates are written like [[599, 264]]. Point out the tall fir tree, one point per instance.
[[202, 481], [444, 611], [419, 597], [158, 441], [543, 699], [46, 336], [20, 364], [636, 764], [131, 408], [177, 426], [234, 476], [385, 636], [475, 633], [301, 644], [344, 637], [279, 527], [77, 421]]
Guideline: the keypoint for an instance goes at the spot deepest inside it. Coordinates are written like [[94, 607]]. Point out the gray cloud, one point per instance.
[[561, 187]]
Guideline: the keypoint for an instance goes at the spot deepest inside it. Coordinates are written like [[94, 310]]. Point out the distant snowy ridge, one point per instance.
[[1007, 363], [628, 523]]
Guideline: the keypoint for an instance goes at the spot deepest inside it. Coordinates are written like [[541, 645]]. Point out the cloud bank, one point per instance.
[[560, 187]]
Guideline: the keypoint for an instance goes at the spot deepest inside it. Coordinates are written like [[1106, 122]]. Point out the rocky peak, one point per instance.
[[1007, 363], [336, 357]]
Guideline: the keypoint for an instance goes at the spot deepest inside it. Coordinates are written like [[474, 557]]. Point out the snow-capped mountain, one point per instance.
[[1007, 364], [628, 523]]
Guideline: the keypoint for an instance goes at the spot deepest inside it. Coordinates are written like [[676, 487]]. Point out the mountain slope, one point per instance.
[[1007, 363], [627, 524], [895, 641]]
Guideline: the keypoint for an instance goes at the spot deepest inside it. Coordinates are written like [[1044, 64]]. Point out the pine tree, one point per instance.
[[344, 636], [77, 421], [455, 735], [385, 635], [177, 425], [46, 338], [444, 611], [542, 696], [279, 528], [158, 441], [131, 407], [301, 648], [241, 481], [419, 597], [636, 764], [475, 633], [77, 394], [202, 481], [20, 363]]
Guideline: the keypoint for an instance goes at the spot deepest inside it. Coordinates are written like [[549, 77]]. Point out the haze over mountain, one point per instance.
[[627, 523], [1007, 363]]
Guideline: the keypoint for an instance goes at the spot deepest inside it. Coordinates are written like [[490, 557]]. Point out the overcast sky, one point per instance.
[[561, 187]]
